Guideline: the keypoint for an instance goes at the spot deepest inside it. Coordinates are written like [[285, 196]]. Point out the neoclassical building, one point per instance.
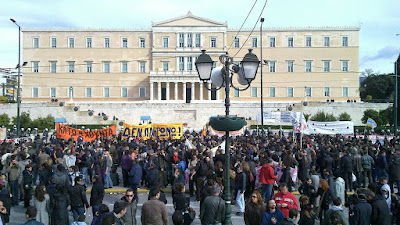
[[158, 64]]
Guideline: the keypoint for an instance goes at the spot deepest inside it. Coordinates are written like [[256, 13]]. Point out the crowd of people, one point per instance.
[[51, 177]]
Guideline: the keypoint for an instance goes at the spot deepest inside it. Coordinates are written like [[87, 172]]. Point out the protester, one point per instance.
[[326, 198], [41, 201], [31, 216], [241, 183], [362, 210], [254, 209], [293, 219], [59, 203], [129, 217], [213, 209], [285, 200], [272, 215], [307, 216], [78, 198], [118, 212], [154, 211], [336, 208], [267, 179], [380, 210], [96, 195]]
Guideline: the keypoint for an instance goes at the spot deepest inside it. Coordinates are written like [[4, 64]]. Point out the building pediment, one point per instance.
[[189, 20]]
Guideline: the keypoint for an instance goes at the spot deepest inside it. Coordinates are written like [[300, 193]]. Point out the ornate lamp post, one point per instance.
[[19, 78], [246, 73]]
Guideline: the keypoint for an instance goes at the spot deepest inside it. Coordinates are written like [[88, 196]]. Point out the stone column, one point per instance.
[[193, 95], [209, 92], [151, 91], [167, 91], [201, 91], [218, 94], [184, 91], [176, 90], [159, 91]]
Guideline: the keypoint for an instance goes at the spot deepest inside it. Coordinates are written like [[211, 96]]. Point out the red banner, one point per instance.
[[66, 132]]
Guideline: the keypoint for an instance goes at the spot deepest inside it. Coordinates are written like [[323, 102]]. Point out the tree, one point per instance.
[[25, 120], [323, 117], [4, 119], [42, 123], [379, 87], [344, 117], [373, 114], [386, 116]]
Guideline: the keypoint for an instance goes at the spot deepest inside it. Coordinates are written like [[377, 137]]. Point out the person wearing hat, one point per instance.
[[119, 211]]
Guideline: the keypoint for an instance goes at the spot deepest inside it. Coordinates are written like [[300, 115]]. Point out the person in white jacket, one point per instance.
[[339, 187], [68, 159]]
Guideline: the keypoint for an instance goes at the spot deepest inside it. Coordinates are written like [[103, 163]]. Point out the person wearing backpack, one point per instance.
[[198, 176]]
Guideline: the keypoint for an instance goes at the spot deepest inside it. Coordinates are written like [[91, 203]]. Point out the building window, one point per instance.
[[181, 40], [53, 42], [345, 66], [106, 67], [345, 91], [71, 92], [165, 66], [89, 42], [290, 66], [345, 42], [124, 42], [272, 92], [106, 42], [272, 66], [189, 63], [36, 42], [189, 40], [308, 41], [71, 42], [35, 92], [165, 42], [290, 92], [88, 92], [53, 92], [235, 93], [253, 91], [124, 92], [142, 67], [327, 91], [290, 42], [53, 67], [308, 66], [327, 65], [272, 42], [254, 42], [213, 42], [181, 64], [142, 92], [308, 91], [89, 67], [124, 67], [71, 67], [142, 42], [35, 67], [106, 92], [327, 41], [198, 40], [237, 42]]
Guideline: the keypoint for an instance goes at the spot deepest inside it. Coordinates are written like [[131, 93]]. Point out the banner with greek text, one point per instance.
[[145, 132], [67, 132]]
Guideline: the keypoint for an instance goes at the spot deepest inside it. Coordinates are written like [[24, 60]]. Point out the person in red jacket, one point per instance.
[[285, 200], [267, 179]]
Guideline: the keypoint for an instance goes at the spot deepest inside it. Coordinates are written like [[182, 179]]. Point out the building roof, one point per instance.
[[188, 20]]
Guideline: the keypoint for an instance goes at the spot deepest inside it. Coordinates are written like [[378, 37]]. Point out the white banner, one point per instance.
[[278, 117], [332, 128]]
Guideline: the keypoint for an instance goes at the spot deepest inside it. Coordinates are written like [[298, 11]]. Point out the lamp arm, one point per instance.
[[237, 88]]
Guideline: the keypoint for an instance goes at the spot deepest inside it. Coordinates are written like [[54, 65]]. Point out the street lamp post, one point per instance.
[[19, 78], [396, 74], [246, 73], [262, 91]]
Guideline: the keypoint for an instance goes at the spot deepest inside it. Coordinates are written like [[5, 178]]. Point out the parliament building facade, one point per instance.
[[158, 64]]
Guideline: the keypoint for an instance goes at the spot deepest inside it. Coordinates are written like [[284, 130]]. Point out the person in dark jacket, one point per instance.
[[293, 218], [78, 197], [96, 194], [27, 178], [59, 203], [103, 210], [254, 209], [180, 200], [362, 210], [338, 210], [381, 164], [241, 181], [31, 216], [126, 164], [394, 174], [61, 176], [129, 218], [346, 164], [153, 177], [326, 198], [380, 210], [307, 216], [213, 210], [307, 189], [135, 176]]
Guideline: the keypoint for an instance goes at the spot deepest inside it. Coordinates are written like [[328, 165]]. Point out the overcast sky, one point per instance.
[[379, 20]]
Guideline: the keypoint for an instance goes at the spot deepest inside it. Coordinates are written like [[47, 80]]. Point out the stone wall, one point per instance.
[[195, 114]]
